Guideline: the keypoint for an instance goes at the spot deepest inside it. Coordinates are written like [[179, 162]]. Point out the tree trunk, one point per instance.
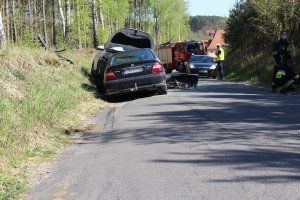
[[94, 24], [14, 21], [30, 15], [135, 13], [2, 33], [78, 27], [68, 22], [63, 21], [45, 25], [53, 24], [101, 19], [7, 20]]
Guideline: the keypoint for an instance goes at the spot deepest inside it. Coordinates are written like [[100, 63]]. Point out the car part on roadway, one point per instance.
[[182, 80]]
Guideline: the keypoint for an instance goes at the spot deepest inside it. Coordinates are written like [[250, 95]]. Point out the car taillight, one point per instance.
[[157, 67], [110, 75]]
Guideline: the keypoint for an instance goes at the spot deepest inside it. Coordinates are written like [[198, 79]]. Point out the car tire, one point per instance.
[[98, 81], [98, 76]]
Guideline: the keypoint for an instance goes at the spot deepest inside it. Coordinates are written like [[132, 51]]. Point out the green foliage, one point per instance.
[[198, 23], [103, 35], [34, 112], [10, 186], [17, 73], [251, 31], [165, 20]]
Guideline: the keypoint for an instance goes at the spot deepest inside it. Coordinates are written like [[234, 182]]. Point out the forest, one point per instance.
[[198, 23], [88, 23], [252, 29]]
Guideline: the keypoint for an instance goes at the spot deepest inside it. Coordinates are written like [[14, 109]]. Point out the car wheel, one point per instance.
[[108, 98], [99, 75]]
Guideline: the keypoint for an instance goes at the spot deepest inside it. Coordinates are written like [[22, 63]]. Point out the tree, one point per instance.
[[63, 21], [2, 34], [54, 33], [94, 23], [68, 21], [45, 25]]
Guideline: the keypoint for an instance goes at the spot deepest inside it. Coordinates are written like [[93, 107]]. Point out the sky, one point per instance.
[[210, 7]]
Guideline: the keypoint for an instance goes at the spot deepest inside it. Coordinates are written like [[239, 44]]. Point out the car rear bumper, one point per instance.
[[141, 83]]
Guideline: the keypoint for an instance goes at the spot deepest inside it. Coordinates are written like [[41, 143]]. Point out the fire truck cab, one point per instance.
[[175, 55]]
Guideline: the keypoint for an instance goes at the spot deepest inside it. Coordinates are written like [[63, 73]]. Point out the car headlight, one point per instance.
[[213, 67], [192, 66]]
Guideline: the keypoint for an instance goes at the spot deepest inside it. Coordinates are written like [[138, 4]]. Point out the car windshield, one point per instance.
[[131, 56], [201, 59]]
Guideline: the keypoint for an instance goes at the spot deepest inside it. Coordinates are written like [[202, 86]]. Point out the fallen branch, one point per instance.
[[43, 44]]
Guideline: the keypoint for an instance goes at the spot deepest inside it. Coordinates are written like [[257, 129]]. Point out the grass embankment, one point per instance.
[[40, 98], [256, 69]]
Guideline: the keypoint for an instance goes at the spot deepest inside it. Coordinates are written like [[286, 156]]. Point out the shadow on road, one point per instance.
[[265, 126]]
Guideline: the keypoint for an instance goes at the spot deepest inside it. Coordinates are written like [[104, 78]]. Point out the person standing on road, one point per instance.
[[281, 54], [220, 61]]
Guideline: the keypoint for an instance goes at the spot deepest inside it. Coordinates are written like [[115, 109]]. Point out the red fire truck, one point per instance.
[[175, 55]]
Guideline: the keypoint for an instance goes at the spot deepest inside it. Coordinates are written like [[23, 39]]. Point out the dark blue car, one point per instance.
[[132, 71], [202, 65]]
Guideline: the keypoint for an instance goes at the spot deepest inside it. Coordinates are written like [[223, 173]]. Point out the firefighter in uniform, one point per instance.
[[284, 78], [220, 60], [281, 52]]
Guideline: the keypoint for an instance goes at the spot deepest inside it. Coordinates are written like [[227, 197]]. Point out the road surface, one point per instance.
[[221, 140]]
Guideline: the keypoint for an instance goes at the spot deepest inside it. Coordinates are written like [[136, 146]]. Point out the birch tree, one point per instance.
[[2, 33], [63, 21], [68, 21], [45, 24]]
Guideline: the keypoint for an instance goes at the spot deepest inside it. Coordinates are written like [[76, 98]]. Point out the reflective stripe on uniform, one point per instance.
[[280, 73]]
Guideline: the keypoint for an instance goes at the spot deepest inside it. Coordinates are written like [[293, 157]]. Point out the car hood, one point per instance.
[[205, 65], [128, 38]]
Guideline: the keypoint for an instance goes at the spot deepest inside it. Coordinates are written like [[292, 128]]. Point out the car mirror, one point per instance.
[[100, 48]]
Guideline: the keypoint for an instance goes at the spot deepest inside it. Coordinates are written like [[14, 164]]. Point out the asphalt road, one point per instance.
[[221, 140]]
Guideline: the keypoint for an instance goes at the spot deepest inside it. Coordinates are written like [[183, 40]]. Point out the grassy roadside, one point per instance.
[[255, 70], [40, 98]]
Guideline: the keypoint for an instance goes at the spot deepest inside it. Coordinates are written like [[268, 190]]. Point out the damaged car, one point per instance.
[[127, 63]]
